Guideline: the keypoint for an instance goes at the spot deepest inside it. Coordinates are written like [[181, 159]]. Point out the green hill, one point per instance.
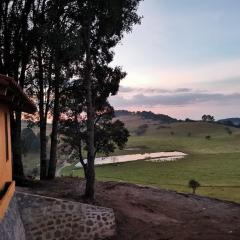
[[213, 157]]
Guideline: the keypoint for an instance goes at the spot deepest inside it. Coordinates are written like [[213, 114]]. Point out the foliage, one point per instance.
[[208, 118], [103, 26], [54, 48], [15, 45], [162, 118], [46, 44], [148, 115], [109, 135], [194, 185]]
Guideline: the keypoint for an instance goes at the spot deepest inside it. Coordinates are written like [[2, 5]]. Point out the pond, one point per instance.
[[156, 157]]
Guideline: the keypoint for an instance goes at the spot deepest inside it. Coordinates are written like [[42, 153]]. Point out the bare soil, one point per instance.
[[145, 213]]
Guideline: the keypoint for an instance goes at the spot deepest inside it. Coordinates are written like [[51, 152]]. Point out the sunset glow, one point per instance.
[[183, 60]]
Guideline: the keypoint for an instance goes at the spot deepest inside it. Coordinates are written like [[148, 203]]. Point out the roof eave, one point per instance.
[[13, 95]]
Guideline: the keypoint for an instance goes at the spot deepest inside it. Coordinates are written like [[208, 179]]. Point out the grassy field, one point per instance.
[[214, 162]]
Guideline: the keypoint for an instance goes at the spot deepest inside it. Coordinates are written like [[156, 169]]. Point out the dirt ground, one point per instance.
[[144, 213]]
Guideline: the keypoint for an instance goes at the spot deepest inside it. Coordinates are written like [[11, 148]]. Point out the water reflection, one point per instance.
[[157, 156]]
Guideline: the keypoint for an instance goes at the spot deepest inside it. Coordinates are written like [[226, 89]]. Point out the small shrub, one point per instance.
[[172, 133], [208, 137], [194, 185], [189, 134]]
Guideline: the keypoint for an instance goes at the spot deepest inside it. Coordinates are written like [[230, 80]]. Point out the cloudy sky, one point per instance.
[[183, 60]]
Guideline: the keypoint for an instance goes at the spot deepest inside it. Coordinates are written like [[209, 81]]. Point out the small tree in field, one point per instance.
[[194, 185], [208, 118]]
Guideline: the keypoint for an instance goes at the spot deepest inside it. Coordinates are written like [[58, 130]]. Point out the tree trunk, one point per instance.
[[43, 139], [84, 165], [18, 171], [43, 149], [14, 56], [80, 156], [90, 180], [56, 112]]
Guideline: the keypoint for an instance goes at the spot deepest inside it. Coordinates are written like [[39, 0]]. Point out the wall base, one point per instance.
[[11, 226], [50, 218]]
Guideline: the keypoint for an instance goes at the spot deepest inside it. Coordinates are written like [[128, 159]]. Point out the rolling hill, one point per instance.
[[235, 122], [146, 115]]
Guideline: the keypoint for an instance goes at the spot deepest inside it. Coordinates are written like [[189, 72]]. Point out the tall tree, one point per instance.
[[74, 121], [64, 45], [55, 48], [15, 47], [104, 23], [39, 76]]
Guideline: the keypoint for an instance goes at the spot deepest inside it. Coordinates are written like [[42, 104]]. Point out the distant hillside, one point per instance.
[[234, 122], [146, 115]]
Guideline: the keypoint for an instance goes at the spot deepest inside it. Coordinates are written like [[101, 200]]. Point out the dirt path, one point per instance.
[[144, 213]]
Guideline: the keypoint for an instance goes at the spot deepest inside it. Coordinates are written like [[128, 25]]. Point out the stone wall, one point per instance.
[[56, 219], [11, 226]]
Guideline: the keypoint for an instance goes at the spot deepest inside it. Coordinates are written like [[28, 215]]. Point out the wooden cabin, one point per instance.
[[11, 98]]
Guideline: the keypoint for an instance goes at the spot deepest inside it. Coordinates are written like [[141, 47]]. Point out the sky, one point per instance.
[[183, 60]]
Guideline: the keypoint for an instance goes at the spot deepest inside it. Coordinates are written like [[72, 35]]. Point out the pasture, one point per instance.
[[213, 161]]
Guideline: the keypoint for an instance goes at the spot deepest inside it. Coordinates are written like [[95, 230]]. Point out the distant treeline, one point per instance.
[[161, 118], [165, 119]]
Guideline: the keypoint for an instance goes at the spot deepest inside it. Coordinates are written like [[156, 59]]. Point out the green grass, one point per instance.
[[215, 163], [218, 174], [200, 145]]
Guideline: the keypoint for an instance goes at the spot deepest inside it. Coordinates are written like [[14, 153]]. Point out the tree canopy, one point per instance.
[[60, 52]]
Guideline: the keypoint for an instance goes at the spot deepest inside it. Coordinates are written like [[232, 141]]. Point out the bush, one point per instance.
[[194, 185], [208, 137]]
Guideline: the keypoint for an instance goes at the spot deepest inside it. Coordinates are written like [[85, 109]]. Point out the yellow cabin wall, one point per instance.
[[5, 164]]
